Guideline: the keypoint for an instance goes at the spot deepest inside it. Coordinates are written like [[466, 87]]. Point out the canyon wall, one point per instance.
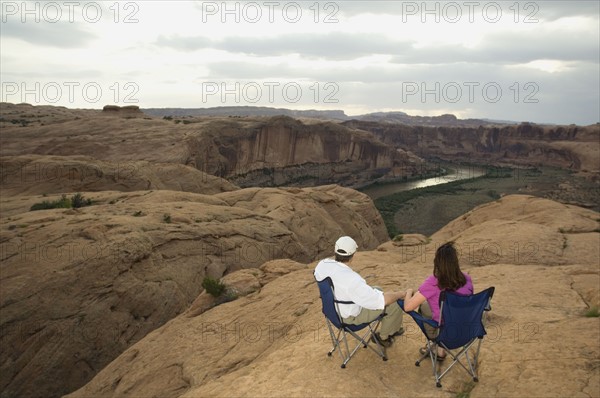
[[572, 147], [283, 151]]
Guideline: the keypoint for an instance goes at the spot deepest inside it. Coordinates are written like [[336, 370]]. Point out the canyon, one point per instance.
[[110, 294]]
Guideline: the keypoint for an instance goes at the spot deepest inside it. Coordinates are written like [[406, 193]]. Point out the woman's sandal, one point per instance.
[[425, 351]]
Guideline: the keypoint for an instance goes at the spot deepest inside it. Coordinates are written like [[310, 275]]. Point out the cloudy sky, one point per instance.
[[508, 60]]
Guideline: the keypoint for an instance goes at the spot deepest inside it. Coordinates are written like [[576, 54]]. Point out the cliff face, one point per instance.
[[572, 147], [284, 151]]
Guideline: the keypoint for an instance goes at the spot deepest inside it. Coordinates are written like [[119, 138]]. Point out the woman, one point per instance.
[[446, 276]]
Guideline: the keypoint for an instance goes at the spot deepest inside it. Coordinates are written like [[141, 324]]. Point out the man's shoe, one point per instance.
[[399, 332], [376, 338]]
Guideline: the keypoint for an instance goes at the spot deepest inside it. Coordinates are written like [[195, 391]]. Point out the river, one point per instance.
[[455, 173]]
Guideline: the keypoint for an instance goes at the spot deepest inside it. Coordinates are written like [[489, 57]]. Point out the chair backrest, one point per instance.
[[329, 302], [461, 317]]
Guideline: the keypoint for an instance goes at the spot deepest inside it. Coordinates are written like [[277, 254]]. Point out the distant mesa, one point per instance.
[[392, 117], [129, 110], [243, 111]]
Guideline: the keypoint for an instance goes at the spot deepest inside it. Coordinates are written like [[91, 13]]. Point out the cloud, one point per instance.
[[526, 10], [503, 48], [371, 54], [185, 43], [510, 48], [252, 71], [61, 35], [553, 10], [546, 99], [335, 45], [53, 71]]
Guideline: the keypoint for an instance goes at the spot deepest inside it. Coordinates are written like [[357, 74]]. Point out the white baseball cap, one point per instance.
[[345, 246]]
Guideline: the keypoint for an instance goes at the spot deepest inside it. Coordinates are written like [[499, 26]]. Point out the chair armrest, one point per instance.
[[418, 317]]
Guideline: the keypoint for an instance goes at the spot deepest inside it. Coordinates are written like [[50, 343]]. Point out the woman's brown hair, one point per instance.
[[446, 268]]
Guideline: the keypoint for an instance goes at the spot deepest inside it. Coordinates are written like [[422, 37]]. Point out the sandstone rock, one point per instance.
[[276, 268], [79, 286], [410, 245], [243, 282], [410, 240], [202, 303], [272, 342], [37, 175], [521, 229], [295, 207]]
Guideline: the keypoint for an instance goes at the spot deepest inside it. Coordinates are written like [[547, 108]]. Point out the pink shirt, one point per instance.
[[431, 291]]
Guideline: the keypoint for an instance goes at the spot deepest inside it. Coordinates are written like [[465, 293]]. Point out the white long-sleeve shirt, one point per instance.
[[349, 286]]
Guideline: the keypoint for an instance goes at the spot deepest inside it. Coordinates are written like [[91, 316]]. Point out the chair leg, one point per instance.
[[365, 341], [348, 354], [340, 343], [472, 371], [379, 351], [336, 345], [472, 365], [429, 347], [334, 340]]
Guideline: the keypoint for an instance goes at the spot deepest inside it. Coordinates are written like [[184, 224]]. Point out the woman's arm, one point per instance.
[[413, 301]]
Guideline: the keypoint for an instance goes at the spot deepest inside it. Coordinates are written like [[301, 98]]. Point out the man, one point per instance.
[[369, 302]]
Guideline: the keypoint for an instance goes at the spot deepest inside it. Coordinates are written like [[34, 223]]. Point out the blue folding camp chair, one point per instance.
[[332, 317], [461, 326]]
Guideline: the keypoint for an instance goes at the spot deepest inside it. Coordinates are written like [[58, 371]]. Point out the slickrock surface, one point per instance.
[[273, 341], [79, 286]]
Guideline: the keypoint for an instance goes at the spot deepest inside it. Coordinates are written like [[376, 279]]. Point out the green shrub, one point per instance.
[[62, 203], [75, 201], [78, 201], [213, 287], [493, 194], [167, 218], [593, 312], [138, 213]]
